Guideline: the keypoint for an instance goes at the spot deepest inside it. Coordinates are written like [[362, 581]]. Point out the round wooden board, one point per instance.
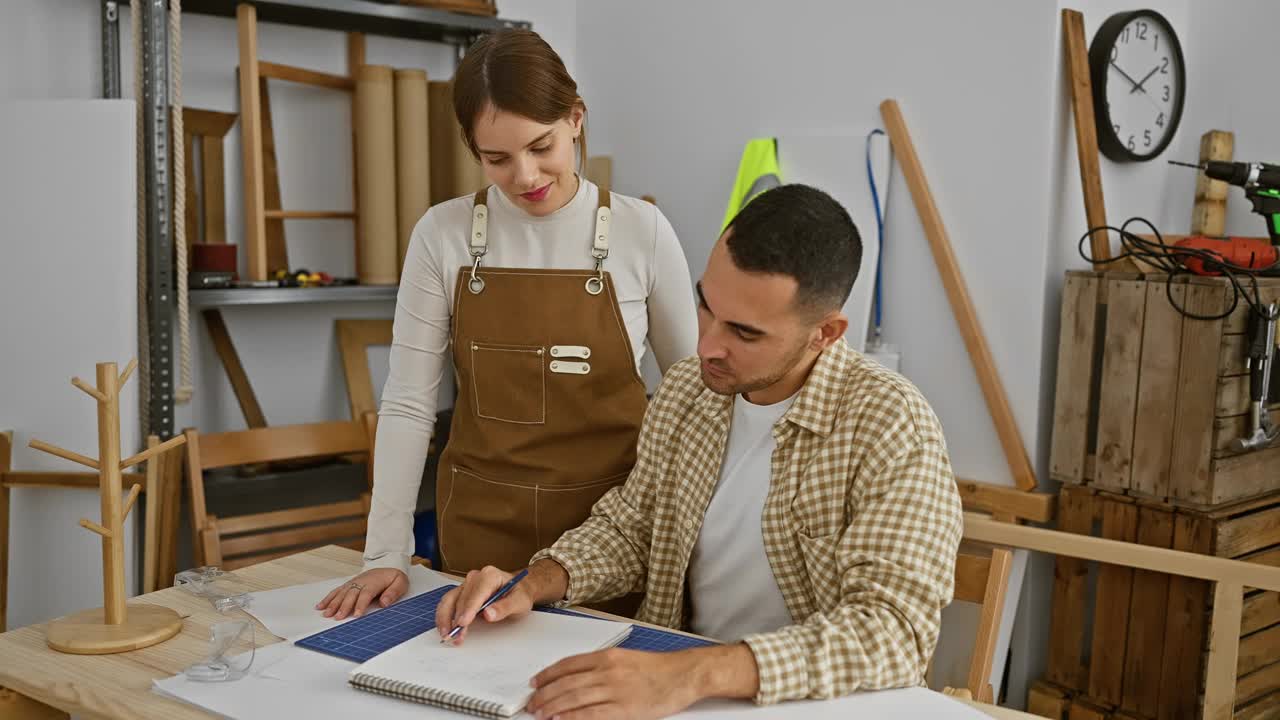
[[86, 633]]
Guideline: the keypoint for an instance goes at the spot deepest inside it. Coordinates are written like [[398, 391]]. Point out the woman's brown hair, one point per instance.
[[517, 72]]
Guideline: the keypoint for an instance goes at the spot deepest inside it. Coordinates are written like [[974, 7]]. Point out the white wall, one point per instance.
[[69, 299]]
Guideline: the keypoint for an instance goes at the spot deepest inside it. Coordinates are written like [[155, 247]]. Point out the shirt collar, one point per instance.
[[814, 408]]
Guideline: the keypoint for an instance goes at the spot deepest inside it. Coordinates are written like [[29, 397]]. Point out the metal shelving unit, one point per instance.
[[374, 18], [282, 296]]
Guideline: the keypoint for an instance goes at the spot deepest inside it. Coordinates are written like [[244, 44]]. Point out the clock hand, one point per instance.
[[1144, 80], [1125, 74]]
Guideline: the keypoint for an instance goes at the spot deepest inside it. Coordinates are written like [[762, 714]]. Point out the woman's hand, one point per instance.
[[386, 585]]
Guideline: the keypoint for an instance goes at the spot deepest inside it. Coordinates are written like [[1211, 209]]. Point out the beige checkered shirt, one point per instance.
[[861, 525]]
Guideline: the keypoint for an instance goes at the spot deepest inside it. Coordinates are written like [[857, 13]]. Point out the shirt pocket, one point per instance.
[[509, 383]]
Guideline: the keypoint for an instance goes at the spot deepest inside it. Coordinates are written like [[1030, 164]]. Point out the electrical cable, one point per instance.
[[1172, 260]]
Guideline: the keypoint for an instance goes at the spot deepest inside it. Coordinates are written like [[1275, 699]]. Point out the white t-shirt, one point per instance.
[[731, 585], [655, 296]]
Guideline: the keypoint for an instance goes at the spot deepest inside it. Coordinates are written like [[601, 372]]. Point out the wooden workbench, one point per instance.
[[41, 683]]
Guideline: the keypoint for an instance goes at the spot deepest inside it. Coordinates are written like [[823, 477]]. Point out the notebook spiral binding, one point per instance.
[[429, 696]]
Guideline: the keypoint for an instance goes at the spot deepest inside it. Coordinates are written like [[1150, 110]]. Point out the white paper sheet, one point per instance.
[[290, 612], [288, 681]]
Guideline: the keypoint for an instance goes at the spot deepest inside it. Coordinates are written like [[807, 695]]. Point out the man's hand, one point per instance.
[[386, 585], [641, 685], [546, 582]]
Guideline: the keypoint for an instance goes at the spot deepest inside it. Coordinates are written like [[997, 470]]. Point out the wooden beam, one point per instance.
[[72, 480], [1113, 552], [985, 497], [255, 245], [1224, 648], [1095, 209], [226, 350], [277, 248], [310, 215], [276, 71], [207, 123], [1209, 216], [966, 316]]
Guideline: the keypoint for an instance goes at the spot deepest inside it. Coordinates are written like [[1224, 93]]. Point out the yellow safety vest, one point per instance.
[[758, 171]]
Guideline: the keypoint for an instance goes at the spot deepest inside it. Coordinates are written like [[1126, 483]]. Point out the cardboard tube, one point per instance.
[[454, 171], [376, 170], [413, 180]]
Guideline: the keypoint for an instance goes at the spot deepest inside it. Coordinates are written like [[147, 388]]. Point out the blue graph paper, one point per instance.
[[366, 637]]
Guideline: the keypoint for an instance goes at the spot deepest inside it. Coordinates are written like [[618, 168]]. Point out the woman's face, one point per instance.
[[531, 162]]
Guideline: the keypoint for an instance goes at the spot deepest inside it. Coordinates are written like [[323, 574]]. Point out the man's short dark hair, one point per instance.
[[802, 232]]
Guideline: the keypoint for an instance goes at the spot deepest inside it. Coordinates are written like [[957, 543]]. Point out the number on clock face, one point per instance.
[[1142, 77]]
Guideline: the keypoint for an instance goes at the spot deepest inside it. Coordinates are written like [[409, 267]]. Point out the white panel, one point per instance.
[[67, 301], [835, 163]]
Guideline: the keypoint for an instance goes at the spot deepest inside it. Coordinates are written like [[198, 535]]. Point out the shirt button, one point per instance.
[[688, 524]]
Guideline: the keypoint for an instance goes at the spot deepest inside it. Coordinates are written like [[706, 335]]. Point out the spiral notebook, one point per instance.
[[488, 675]]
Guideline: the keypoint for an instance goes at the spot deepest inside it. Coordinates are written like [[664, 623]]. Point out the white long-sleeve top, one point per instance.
[[650, 275]]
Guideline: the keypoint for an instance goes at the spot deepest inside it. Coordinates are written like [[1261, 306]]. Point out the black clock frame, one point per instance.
[[1100, 57]]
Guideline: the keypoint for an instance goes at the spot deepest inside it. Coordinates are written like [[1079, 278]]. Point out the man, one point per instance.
[[791, 498]]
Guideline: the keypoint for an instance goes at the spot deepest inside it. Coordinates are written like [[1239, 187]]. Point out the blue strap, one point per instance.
[[875, 200]]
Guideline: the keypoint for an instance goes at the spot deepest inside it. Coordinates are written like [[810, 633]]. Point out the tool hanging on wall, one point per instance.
[[884, 353], [1262, 350]]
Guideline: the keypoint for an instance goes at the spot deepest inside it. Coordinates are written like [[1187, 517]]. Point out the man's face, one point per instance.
[[750, 334]]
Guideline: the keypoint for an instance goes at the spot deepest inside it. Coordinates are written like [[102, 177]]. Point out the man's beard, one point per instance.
[[735, 386]]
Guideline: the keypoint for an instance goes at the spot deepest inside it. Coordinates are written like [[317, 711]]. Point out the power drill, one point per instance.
[[1261, 183]]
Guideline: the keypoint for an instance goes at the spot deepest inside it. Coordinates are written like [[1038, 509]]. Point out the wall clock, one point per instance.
[[1139, 85]]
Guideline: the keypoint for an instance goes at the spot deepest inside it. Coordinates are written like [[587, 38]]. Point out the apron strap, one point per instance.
[[600, 242], [479, 240]]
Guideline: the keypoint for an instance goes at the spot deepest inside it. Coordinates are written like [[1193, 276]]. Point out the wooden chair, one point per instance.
[[982, 579], [1228, 577], [232, 542]]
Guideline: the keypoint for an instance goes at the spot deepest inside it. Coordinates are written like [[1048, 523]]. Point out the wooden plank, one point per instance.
[[293, 442], [1246, 475], [1095, 211], [1247, 533], [310, 215], [213, 187], [1264, 708], [1224, 646], [1147, 619], [291, 73], [277, 249], [985, 497], [80, 480], [1258, 683], [1074, 390], [1258, 649], [355, 58], [1209, 215], [1189, 477], [207, 123], [984, 649], [1261, 610], [1185, 625], [255, 247], [171, 467], [1082, 709], [1111, 611], [355, 336], [1118, 394], [295, 516], [240, 384], [6, 457], [191, 210], [1157, 387], [1047, 701], [1015, 451], [1067, 615], [1268, 291], [1232, 358]]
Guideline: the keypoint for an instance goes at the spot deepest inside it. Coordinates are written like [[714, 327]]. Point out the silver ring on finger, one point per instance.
[[355, 586]]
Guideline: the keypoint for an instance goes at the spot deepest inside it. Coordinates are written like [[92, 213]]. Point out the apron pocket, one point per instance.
[[563, 508], [486, 522], [514, 382]]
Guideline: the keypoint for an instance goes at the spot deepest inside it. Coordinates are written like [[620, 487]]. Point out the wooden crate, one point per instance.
[[1148, 402], [1145, 652]]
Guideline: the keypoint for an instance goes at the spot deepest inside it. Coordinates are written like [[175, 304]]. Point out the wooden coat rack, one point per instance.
[[114, 627]]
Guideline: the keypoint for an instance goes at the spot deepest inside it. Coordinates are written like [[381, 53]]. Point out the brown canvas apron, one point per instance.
[[549, 404]]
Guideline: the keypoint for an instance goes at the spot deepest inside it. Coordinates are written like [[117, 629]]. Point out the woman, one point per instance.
[[545, 289]]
